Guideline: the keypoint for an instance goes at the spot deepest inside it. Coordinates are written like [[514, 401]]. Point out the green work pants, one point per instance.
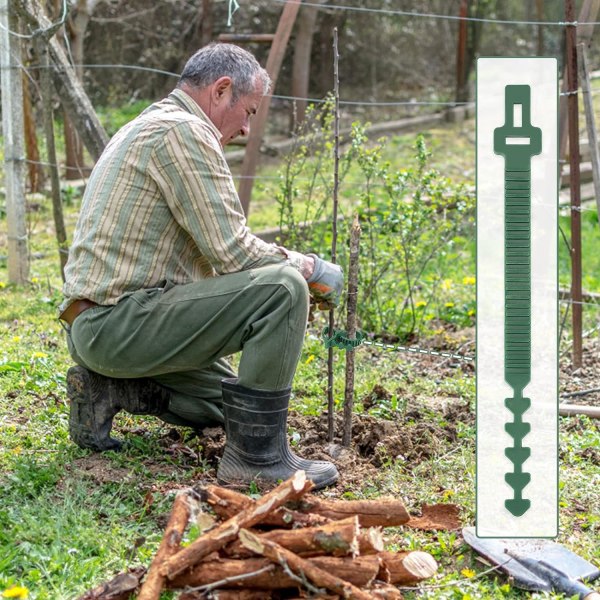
[[179, 334]]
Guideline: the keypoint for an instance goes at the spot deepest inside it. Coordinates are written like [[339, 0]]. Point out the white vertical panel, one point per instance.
[[493, 518]]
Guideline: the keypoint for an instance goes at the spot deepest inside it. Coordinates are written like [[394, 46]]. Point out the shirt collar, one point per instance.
[[188, 104]]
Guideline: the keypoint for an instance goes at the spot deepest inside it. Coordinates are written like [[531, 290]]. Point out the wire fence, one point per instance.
[[349, 102]]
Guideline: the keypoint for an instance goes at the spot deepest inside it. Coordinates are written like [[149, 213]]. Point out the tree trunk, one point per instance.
[[34, 168], [76, 26]]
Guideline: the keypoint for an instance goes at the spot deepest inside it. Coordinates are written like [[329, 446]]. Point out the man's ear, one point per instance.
[[221, 88]]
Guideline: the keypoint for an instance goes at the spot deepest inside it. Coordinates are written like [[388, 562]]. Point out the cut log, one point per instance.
[[370, 541], [180, 515], [382, 512], [216, 538], [301, 567], [227, 503], [406, 567], [261, 573], [338, 538]]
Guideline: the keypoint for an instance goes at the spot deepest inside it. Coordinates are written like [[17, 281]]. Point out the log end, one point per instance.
[[422, 564]]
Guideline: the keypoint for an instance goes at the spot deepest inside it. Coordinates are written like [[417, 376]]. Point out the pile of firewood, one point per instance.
[[306, 547]]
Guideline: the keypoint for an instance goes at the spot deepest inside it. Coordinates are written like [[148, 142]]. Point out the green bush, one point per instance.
[[415, 224]]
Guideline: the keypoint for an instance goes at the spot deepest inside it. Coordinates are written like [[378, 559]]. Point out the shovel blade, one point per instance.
[[550, 552]]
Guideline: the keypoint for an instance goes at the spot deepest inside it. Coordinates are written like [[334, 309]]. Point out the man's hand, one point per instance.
[[326, 282]]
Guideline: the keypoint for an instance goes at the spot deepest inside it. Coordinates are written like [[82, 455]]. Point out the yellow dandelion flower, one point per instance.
[[446, 284], [471, 313], [16, 592], [39, 355], [2, 285], [468, 573], [309, 359], [449, 304], [16, 338], [420, 304], [35, 280], [469, 280]]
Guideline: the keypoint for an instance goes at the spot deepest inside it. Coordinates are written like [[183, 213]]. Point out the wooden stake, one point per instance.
[[251, 156], [41, 45], [180, 515], [14, 151], [573, 116], [336, 182], [352, 301], [216, 538], [301, 567]]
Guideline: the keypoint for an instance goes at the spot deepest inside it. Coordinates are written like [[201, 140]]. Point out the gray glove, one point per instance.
[[326, 282]]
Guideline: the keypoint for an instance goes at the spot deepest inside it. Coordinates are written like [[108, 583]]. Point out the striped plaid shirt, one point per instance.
[[160, 205]]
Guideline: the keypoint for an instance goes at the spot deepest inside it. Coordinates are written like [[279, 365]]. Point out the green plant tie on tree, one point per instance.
[[517, 140], [340, 339]]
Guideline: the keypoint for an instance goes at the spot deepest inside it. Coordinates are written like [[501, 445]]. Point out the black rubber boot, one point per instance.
[[257, 446], [95, 400]]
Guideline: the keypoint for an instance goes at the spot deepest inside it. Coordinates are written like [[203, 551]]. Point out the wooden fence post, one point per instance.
[[14, 147], [573, 116], [282, 35]]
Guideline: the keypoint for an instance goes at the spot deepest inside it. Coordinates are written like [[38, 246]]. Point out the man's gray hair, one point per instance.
[[225, 60]]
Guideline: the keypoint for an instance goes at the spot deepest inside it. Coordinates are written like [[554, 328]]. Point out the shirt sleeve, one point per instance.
[[190, 170]]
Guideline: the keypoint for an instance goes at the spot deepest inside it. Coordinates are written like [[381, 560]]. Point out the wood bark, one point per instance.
[[76, 27], [360, 571], [338, 538], [352, 303], [302, 567], [226, 503], [69, 89], [170, 544], [216, 538], [34, 168]]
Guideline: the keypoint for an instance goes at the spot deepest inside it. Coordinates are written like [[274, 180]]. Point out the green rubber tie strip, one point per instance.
[[340, 339], [517, 140]]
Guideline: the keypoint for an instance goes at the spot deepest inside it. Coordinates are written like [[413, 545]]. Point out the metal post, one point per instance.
[[573, 116], [14, 146]]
